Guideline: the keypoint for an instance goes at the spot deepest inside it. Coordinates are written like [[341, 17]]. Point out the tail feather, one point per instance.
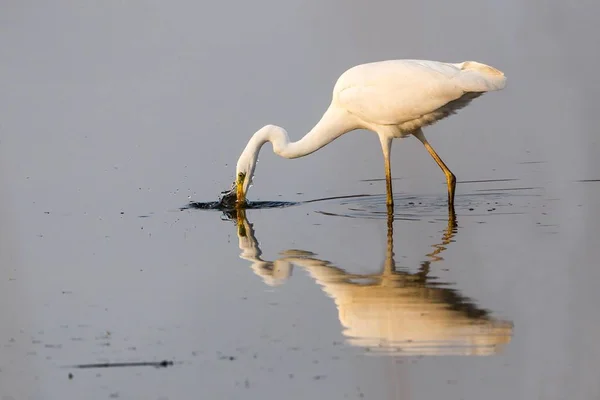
[[478, 77]]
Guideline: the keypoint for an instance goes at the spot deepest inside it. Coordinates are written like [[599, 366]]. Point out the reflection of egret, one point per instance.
[[393, 98], [273, 273], [393, 312]]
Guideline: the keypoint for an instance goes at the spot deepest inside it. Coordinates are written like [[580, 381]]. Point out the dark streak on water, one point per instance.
[[257, 205], [507, 189], [378, 180], [156, 364], [216, 205], [488, 180]]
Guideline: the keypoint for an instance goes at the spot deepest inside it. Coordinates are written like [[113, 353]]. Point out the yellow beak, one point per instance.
[[240, 195]]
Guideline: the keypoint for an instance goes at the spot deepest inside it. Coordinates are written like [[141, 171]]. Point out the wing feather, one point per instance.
[[397, 91]]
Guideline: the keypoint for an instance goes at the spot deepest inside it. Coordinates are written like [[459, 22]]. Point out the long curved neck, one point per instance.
[[333, 124]]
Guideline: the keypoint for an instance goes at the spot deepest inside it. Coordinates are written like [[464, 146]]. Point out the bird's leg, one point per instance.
[[386, 146], [450, 178], [388, 183]]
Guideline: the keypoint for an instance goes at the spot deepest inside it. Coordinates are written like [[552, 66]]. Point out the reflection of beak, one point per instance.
[[242, 222], [240, 195]]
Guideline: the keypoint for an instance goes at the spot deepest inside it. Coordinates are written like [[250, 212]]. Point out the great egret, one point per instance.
[[393, 98]]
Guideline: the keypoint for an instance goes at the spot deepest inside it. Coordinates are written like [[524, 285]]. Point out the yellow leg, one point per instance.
[[450, 178], [386, 146], [388, 182], [389, 266]]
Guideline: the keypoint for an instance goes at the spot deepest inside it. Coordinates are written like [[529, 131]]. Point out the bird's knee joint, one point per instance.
[[451, 180]]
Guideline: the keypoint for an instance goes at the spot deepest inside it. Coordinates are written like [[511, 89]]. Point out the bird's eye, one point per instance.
[[240, 178]]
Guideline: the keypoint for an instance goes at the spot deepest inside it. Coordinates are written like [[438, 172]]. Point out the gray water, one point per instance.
[[115, 115]]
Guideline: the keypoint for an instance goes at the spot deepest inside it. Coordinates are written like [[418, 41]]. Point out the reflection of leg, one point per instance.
[[451, 221], [446, 238], [450, 178], [423, 272], [386, 146], [389, 266]]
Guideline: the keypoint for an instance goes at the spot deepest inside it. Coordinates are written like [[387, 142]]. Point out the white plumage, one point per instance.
[[412, 93], [394, 98]]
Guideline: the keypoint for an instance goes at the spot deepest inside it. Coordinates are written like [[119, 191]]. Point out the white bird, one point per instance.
[[394, 98]]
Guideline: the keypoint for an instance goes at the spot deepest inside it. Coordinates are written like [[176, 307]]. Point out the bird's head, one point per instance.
[[246, 164], [235, 198]]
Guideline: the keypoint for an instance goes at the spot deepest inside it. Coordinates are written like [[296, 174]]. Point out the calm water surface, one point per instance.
[[114, 116]]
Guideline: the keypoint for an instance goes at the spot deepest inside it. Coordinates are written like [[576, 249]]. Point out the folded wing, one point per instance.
[[395, 92]]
